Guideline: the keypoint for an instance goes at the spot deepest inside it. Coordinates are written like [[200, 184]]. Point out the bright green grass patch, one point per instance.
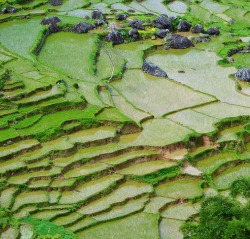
[[93, 134], [224, 180], [140, 225], [27, 122], [19, 36], [144, 168], [241, 60], [8, 134], [230, 134], [170, 228], [51, 122], [112, 114], [26, 198], [46, 227], [156, 203], [121, 211], [129, 156], [181, 211], [180, 188], [87, 190], [210, 164], [157, 96], [78, 62], [198, 122], [86, 170], [122, 193], [15, 148], [39, 164]]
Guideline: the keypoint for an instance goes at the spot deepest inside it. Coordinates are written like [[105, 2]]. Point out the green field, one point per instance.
[[94, 146]]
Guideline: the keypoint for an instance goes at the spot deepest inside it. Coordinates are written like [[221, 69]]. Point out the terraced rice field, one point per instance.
[[91, 146]]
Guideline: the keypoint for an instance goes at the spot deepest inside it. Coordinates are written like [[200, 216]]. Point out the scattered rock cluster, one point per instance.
[[82, 27], [6, 10], [55, 2]]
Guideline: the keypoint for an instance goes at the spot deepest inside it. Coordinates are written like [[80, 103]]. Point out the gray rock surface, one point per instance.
[[137, 24], [179, 42], [82, 27], [97, 14], [154, 70], [197, 29], [133, 33], [162, 33], [183, 26], [115, 37], [55, 2], [213, 31], [162, 22], [243, 74]]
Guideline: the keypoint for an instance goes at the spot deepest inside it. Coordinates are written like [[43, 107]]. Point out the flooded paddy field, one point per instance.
[[119, 118]]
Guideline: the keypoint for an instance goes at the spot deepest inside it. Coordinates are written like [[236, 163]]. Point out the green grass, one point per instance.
[[157, 96], [112, 114], [20, 33], [74, 61], [140, 225], [8, 134]]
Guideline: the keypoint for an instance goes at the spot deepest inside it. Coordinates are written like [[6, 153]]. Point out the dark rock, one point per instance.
[[197, 29], [153, 69], [131, 10], [99, 22], [97, 14], [55, 2], [150, 14], [183, 26], [181, 71], [162, 22], [121, 17], [148, 20], [8, 10], [162, 33], [133, 33], [82, 27], [137, 24], [50, 20], [87, 17], [243, 74], [213, 31], [113, 10], [198, 40], [115, 37], [179, 42], [206, 40], [52, 23]]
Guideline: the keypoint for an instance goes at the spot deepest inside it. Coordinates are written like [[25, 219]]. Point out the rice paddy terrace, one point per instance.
[[92, 143]]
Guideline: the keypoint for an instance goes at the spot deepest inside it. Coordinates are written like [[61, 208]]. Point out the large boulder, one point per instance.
[[8, 10], [137, 24], [197, 29], [50, 20], [133, 33], [121, 17], [243, 74], [162, 22], [55, 2], [52, 23], [82, 27], [97, 14], [213, 31], [162, 33], [115, 37], [177, 41], [183, 26], [152, 69]]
